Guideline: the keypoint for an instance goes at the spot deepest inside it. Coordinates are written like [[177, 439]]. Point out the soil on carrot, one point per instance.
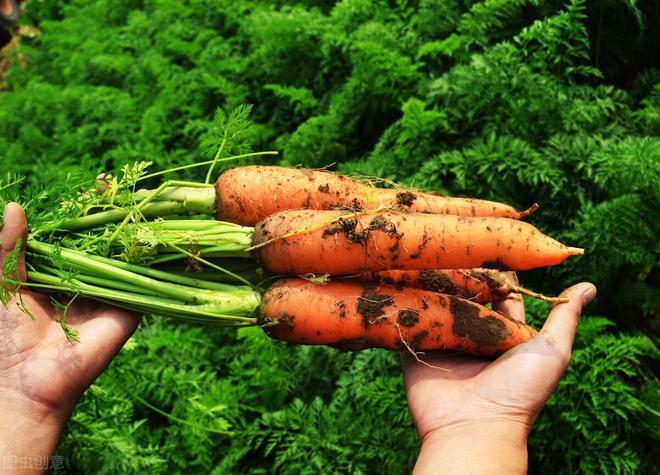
[[398, 283], [379, 223], [353, 207], [496, 287], [484, 332], [405, 198], [349, 226], [341, 305], [421, 246], [370, 306], [439, 282], [418, 339], [286, 319], [496, 264], [408, 317]]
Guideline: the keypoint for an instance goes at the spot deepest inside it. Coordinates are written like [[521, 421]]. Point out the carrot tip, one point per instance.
[[529, 211], [575, 251]]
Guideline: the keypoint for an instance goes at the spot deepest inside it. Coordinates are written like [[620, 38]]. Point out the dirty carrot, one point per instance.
[[351, 315], [248, 194], [327, 242], [245, 195], [477, 285]]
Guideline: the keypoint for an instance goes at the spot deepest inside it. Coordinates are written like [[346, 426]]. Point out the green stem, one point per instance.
[[208, 162], [214, 266], [115, 270], [152, 195], [205, 313], [168, 276], [151, 210], [216, 158]]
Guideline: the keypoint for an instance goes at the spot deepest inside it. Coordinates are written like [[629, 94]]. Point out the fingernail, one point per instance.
[[589, 294]]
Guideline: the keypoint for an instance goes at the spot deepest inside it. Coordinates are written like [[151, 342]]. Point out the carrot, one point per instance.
[[248, 194], [330, 242], [477, 285], [352, 315]]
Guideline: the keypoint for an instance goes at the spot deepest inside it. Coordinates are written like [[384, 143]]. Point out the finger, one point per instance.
[[103, 332], [511, 307], [563, 319], [14, 228]]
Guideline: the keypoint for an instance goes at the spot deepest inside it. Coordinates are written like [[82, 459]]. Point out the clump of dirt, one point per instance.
[[405, 198], [421, 246], [496, 264], [355, 206], [341, 305], [286, 319], [349, 226], [499, 287], [370, 306], [408, 317], [487, 332], [380, 223], [439, 282]]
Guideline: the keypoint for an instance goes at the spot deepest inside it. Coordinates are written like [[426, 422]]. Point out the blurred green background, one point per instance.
[[512, 100]]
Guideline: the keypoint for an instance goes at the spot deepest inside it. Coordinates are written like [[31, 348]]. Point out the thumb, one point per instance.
[[14, 228], [563, 319]]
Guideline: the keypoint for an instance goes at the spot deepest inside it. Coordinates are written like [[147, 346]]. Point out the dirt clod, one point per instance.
[[408, 317], [341, 305], [439, 282], [405, 198], [487, 331], [354, 206], [370, 306]]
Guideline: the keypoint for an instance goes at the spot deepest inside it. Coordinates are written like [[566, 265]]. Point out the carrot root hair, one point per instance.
[[536, 295], [529, 211]]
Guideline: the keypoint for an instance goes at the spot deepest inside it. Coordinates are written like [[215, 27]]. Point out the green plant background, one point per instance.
[[513, 100]]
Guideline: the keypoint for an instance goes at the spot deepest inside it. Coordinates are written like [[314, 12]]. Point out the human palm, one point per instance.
[[38, 363], [513, 388]]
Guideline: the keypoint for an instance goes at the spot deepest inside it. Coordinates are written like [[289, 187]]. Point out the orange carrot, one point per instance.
[[352, 315], [330, 242], [477, 285], [249, 194]]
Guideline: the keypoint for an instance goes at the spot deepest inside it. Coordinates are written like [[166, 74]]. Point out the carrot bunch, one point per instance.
[[407, 270], [419, 266]]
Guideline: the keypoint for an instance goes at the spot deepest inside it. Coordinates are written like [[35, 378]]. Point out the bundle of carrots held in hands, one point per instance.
[[355, 266]]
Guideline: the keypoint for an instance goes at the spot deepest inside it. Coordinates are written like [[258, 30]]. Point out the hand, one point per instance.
[[42, 374], [475, 417]]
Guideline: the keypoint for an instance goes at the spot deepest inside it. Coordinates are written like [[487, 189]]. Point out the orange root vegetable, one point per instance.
[[297, 242], [249, 194], [477, 285], [352, 315]]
